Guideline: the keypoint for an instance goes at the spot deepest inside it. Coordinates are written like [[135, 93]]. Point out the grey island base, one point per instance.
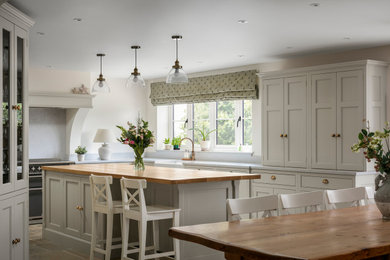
[[201, 196]]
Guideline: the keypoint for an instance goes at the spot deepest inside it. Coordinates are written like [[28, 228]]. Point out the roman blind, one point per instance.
[[230, 86]]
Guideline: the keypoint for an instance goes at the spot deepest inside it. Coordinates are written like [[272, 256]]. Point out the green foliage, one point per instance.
[[81, 150], [176, 141], [137, 137], [375, 146], [167, 141], [204, 133]]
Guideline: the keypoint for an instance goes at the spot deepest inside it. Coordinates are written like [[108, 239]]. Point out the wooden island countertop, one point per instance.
[[162, 175]]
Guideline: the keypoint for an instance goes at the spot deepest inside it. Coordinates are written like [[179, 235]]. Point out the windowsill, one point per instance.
[[211, 151]]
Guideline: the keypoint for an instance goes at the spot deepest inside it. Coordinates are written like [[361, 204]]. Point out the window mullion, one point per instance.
[[213, 125], [238, 130]]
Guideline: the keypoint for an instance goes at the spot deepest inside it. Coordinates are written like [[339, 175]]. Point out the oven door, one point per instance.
[[35, 203]]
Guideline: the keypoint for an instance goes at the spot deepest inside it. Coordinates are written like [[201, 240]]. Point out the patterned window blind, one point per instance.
[[231, 86]]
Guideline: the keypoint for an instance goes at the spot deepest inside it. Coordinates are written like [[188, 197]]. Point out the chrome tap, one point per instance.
[[193, 150]]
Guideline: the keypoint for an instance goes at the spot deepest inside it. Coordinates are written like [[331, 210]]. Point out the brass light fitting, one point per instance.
[[135, 72], [101, 55]]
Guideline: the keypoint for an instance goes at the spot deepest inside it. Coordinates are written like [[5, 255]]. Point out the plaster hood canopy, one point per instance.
[[60, 100], [68, 34]]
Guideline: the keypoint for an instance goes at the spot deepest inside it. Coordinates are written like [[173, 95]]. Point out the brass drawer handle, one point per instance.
[[273, 177], [79, 208], [325, 181], [15, 241]]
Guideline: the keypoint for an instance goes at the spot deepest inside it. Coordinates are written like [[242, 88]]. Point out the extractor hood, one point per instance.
[[60, 100]]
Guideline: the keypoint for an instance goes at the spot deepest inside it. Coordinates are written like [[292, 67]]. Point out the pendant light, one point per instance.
[[135, 79], [100, 85], [177, 74]]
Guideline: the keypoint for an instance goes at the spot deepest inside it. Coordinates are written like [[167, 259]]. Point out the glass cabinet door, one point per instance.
[[7, 183], [21, 111]]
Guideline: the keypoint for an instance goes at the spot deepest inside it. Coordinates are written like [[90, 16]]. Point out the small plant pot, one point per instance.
[[204, 145], [176, 147], [168, 147], [80, 157]]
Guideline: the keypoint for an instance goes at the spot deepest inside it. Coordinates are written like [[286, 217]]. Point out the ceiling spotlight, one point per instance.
[[242, 21], [77, 19], [289, 47], [347, 38], [41, 33], [241, 55], [315, 4]]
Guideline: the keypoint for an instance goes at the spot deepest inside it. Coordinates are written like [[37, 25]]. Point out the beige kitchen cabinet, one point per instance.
[[284, 121], [14, 227], [315, 129]]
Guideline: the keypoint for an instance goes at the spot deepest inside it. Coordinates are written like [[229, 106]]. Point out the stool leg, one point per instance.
[[176, 242], [142, 238], [93, 235], [156, 236], [110, 217], [125, 236]]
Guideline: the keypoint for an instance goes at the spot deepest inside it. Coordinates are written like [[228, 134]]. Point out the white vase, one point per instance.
[[168, 147], [204, 145], [80, 157]]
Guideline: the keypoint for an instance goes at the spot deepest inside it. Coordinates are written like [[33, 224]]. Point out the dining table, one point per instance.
[[347, 233]]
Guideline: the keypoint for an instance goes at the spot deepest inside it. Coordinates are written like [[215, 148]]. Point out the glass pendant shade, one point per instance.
[[135, 79], [100, 85], [177, 76]]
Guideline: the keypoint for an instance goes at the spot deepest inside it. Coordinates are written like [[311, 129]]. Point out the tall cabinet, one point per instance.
[[14, 28], [311, 116]]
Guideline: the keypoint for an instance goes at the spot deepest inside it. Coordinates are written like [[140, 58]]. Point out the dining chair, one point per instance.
[[102, 203], [135, 208], [370, 195], [267, 204], [353, 196], [309, 201]]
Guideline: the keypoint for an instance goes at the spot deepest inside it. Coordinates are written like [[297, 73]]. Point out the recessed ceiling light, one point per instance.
[[48, 66], [199, 61], [77, 19], [242, 21], [315, 4], [41, 33], [289, 47], [347, 38], [241, 55]]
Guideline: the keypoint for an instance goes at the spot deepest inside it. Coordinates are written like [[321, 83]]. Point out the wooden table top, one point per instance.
[[162, 175], [351, 233]]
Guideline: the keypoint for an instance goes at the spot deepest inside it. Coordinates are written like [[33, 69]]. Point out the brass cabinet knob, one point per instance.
[[285, 135], [338, 135], [325, 181], [273, 177], [281, 135], [16, 107], [15, 241], [79, 207], [333, 135]]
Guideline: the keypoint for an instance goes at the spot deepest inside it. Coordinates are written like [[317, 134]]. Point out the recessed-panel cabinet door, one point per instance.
[[349, 119], [295, 122], [72, 221], [323, 89], [86, 201], [6, 229], [20, 226], [273, 153], [54, 201]]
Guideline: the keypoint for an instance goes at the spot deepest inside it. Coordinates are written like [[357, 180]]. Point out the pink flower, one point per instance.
[[126, 142], [132, 142], [142, 137]]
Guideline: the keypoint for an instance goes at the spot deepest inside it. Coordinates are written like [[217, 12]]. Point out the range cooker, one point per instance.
[[35, 186]]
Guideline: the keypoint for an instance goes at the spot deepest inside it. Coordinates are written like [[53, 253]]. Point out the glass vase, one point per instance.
[[139, 163]]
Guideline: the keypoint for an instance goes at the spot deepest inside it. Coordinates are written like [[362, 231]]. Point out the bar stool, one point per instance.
[[136, 209], [102, 203]]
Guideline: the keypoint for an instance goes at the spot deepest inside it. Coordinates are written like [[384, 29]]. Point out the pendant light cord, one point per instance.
[[135, 58], [101, 66], [177, 49]]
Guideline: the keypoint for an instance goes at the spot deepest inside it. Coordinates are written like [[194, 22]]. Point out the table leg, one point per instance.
[[231, 256]]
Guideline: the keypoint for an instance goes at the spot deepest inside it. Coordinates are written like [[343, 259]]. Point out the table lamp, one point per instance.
[[104, 136]]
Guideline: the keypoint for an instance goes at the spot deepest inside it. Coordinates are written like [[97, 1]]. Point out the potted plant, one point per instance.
[[81, 151], [176, 143], [205, 143], [137, 137], [376, 147], [167, 143]]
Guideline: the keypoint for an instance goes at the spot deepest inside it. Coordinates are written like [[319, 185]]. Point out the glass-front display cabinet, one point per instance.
[[15, 109]]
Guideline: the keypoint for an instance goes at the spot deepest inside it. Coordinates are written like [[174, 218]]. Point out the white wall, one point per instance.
[[115, 108]]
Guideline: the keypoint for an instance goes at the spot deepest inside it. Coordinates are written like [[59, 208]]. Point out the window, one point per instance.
[[230, 120]]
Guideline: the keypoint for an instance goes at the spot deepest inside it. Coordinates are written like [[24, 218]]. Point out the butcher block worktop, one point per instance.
[[162, 175]]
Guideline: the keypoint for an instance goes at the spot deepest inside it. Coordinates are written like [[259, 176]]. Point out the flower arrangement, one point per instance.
[[376, 146], [139, 138]]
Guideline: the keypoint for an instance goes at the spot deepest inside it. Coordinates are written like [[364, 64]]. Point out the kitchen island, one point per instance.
[[201, 195]]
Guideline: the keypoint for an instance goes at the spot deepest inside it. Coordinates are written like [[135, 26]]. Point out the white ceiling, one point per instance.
[[212, 37]]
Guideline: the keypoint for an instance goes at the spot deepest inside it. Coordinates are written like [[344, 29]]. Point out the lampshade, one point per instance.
[[177, 76], [100, 85], [103, 136], [135, 81]]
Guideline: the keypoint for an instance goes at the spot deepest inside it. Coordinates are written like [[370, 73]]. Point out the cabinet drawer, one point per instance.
[[280, 179], [323, 182]]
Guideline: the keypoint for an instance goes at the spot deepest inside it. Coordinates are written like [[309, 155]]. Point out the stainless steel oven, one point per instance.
[[35, 186]]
